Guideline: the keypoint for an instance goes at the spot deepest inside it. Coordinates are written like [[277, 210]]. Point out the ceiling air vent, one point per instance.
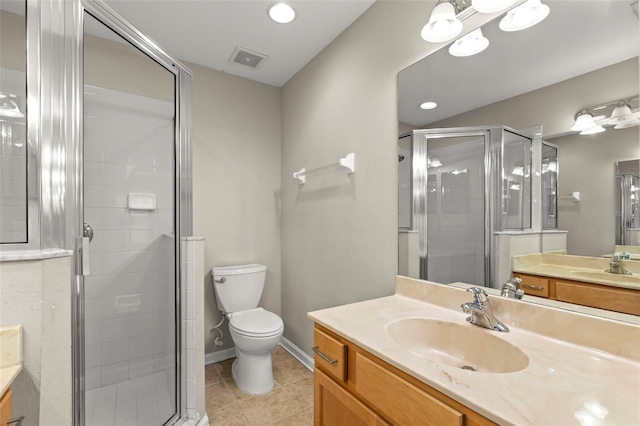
[[247, 57]]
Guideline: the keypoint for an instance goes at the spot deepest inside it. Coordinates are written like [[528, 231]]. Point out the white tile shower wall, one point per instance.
[[192, 322], [129, 295], [188, 326], [13, 164]]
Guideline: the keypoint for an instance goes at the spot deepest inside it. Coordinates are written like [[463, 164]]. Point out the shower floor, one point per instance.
[[143, 401]]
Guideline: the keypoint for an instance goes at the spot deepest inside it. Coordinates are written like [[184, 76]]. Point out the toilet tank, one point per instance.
[[238, 287]]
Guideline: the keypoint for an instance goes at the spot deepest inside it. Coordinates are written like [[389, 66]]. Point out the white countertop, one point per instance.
[[564, 384], [10, 355]]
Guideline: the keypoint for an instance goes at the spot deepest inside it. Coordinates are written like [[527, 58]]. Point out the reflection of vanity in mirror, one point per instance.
[[493, 181]]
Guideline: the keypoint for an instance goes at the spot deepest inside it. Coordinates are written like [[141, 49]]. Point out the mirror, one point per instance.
[[13, 123], [628, 201], [543, 76]]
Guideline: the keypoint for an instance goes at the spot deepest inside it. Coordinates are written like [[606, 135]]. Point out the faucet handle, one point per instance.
[[479, 295], [516, 281], [625, 255]]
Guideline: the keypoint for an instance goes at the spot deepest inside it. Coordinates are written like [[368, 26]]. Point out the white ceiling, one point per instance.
[[206, 32], [577, 37]]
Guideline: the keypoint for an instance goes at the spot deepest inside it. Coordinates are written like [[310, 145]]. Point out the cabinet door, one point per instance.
[[599, 296], [334, 406], [400, 401], [5, 407]]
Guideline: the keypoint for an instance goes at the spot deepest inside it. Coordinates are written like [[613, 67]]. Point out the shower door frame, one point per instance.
[[71, 25], [493, 151]]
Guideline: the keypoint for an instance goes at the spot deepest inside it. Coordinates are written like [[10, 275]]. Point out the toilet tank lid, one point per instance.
[[238, 269]]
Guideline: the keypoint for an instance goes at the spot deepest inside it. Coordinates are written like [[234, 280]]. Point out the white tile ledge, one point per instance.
[[195, 238], [20, 255]]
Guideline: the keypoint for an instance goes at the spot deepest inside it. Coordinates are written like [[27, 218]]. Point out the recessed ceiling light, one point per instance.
[[428, 105], [281, 13]]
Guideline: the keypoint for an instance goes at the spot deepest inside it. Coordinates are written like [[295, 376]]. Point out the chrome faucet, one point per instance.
[[615, 266], [481, 312], [511, 289]]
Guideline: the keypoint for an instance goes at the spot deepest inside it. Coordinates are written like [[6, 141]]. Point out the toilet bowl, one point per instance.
[[254, 331]]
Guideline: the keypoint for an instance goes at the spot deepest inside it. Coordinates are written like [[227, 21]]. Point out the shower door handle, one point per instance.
[[82, 256], [87, 231]]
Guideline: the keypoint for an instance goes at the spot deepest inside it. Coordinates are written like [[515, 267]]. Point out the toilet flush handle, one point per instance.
[[221, 280]]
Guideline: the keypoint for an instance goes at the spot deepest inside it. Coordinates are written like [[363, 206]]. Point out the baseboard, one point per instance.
[[223, 355], [297, 353], [287, 345]]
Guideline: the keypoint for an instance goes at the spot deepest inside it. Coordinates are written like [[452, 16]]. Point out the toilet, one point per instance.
[[254, 331]]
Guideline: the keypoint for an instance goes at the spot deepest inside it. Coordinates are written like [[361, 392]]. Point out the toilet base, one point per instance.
[[253, 374]]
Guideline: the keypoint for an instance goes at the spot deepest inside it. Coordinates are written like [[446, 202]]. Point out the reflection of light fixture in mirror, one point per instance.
[[469, 45], [518, 171], [524, 16], [622, 116], [434, 162], [549, 167], [585, 124], [443, 24], [490, 6], [8, 107], [428, 105], [281, 13], [457, 172], [515, 187]]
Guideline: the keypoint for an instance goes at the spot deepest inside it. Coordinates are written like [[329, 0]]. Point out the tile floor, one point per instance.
[[290, 403], [142, 401]]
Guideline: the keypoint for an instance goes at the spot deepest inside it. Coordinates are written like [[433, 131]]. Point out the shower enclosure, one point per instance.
[[466, 184], [109, 178]]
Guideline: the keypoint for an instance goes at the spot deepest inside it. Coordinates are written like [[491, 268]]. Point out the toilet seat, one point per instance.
[[256, 323]]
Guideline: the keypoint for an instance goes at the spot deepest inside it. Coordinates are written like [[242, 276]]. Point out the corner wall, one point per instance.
[[37, 295], [236, 182]]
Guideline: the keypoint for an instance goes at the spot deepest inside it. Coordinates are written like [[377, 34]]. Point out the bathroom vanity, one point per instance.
[[345, 374], [581, 280], [412, 358]]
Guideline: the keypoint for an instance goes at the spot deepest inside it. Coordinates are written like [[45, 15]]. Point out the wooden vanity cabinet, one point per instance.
[[353, 387], [5, 407], [611, 298]]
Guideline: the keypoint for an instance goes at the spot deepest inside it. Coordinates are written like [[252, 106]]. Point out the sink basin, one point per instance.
[[597, 275], [458, 345]]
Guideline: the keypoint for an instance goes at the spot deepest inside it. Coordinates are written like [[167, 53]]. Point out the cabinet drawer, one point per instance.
[[599, 296], [330, 355], [534, 286], [400, 401]]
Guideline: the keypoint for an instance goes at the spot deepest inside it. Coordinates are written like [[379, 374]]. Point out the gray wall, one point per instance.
[[236, 181], [586, 164], [339, 232]]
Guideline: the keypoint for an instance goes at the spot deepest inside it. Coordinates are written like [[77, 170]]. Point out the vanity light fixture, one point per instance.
[[443, 24], [491, 6], [428, 105], [282, 13], [524, 16], [471, 44]]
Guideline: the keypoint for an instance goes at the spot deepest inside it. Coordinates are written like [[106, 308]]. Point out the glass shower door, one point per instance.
[[129, 192], [449, 205]]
